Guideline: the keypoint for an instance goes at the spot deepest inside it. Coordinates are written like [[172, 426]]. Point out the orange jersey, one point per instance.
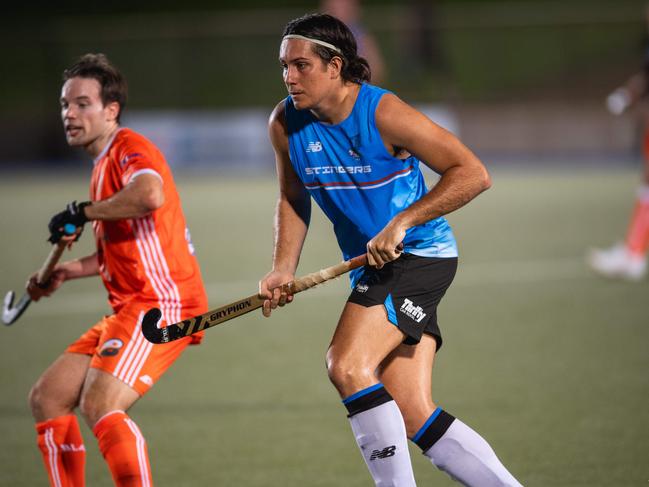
[[150, 258]]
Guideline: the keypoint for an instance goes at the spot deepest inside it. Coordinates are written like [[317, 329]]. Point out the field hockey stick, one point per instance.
[[217, 316], [11, 313]]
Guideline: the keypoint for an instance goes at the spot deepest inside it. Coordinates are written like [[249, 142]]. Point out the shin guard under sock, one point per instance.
[[462, 453], [63, 451], [381, 436], [124, 449]]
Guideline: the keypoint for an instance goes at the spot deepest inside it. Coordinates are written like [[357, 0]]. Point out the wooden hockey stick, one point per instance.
[[11, 313], [217, 316]]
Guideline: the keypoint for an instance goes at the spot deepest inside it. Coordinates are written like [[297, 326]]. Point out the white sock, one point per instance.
[[381, 436], [463, 454]]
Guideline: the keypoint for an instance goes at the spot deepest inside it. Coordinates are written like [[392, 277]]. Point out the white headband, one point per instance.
[[316, 41]]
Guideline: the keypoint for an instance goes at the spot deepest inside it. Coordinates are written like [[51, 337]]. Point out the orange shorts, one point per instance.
[[118, 347]]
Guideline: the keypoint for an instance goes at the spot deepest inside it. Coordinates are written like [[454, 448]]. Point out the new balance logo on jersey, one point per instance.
[[188, 238], [385, 453], [412, 311], [314, 146], [128, 158]]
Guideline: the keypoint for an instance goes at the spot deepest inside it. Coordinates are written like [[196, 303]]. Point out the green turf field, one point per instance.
[[547, 361]]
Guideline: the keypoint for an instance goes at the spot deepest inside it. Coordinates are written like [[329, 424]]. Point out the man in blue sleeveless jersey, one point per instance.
[[355, 149]]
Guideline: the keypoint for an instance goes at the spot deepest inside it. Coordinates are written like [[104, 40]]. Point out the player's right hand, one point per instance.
[[387, 245], [270, 287], [37, 290]]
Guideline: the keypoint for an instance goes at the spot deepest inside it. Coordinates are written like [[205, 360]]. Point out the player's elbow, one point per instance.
[[485, 179], [146, 193], [482, 178], [153, 199]]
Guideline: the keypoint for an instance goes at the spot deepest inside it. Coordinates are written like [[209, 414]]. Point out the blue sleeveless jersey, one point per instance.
[[357, 183]]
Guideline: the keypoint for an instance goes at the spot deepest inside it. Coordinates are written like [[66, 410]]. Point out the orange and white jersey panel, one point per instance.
[[151, 258]]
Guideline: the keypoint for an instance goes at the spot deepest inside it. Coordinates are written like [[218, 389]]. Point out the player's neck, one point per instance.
[[337, 107], [96, 147]]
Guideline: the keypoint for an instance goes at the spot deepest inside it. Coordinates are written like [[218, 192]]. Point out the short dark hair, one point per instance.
[[98, 67], [328, 28]]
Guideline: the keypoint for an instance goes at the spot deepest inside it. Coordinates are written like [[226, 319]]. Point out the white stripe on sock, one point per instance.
[[141, 452], [52, 451]]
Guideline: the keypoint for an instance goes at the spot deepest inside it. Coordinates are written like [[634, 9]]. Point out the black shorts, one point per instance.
[[410, 288]]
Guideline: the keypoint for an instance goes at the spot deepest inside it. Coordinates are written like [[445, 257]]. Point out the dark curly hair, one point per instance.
[[98, 67], [329, 29]]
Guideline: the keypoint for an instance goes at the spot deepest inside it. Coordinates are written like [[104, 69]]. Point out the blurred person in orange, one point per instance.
[[145, 259], [349, 12], [628, 259]]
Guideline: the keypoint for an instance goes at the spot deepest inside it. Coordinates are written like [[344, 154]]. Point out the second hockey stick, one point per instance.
[[217, 316]]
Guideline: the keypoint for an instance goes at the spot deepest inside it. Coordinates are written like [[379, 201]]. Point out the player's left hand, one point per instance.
[[386, 246], [73, 214], [37, 290]]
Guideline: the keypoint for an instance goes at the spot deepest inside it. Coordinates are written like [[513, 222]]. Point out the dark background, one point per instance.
[[514, 73]]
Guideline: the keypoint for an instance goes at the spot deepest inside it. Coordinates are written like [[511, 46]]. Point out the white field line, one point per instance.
[[221, 292]]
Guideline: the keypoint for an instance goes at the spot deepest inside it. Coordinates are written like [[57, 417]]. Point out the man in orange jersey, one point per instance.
[[145, 259]]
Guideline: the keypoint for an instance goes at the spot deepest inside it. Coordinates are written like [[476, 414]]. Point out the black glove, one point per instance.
[[73, 214]]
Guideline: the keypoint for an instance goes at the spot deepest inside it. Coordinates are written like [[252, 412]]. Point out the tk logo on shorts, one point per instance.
[[111, 347], [412, 311], [386, 452]]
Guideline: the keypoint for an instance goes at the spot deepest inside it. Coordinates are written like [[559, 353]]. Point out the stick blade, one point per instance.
[[157, 335], [11, 313], [150, 328], [7, 314]]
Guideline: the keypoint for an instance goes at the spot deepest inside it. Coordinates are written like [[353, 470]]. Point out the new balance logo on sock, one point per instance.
[[386, 452]]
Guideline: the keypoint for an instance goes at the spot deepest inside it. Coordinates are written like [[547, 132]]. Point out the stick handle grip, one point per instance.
[[55, 254], [311, 280]]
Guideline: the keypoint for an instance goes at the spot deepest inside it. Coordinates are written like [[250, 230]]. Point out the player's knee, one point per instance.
[[35, 399], [345, 371], [44, 404]]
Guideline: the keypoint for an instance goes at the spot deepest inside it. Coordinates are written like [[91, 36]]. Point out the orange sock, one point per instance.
[[637, 239], [74, 454], [64, 454], [124, 449]]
